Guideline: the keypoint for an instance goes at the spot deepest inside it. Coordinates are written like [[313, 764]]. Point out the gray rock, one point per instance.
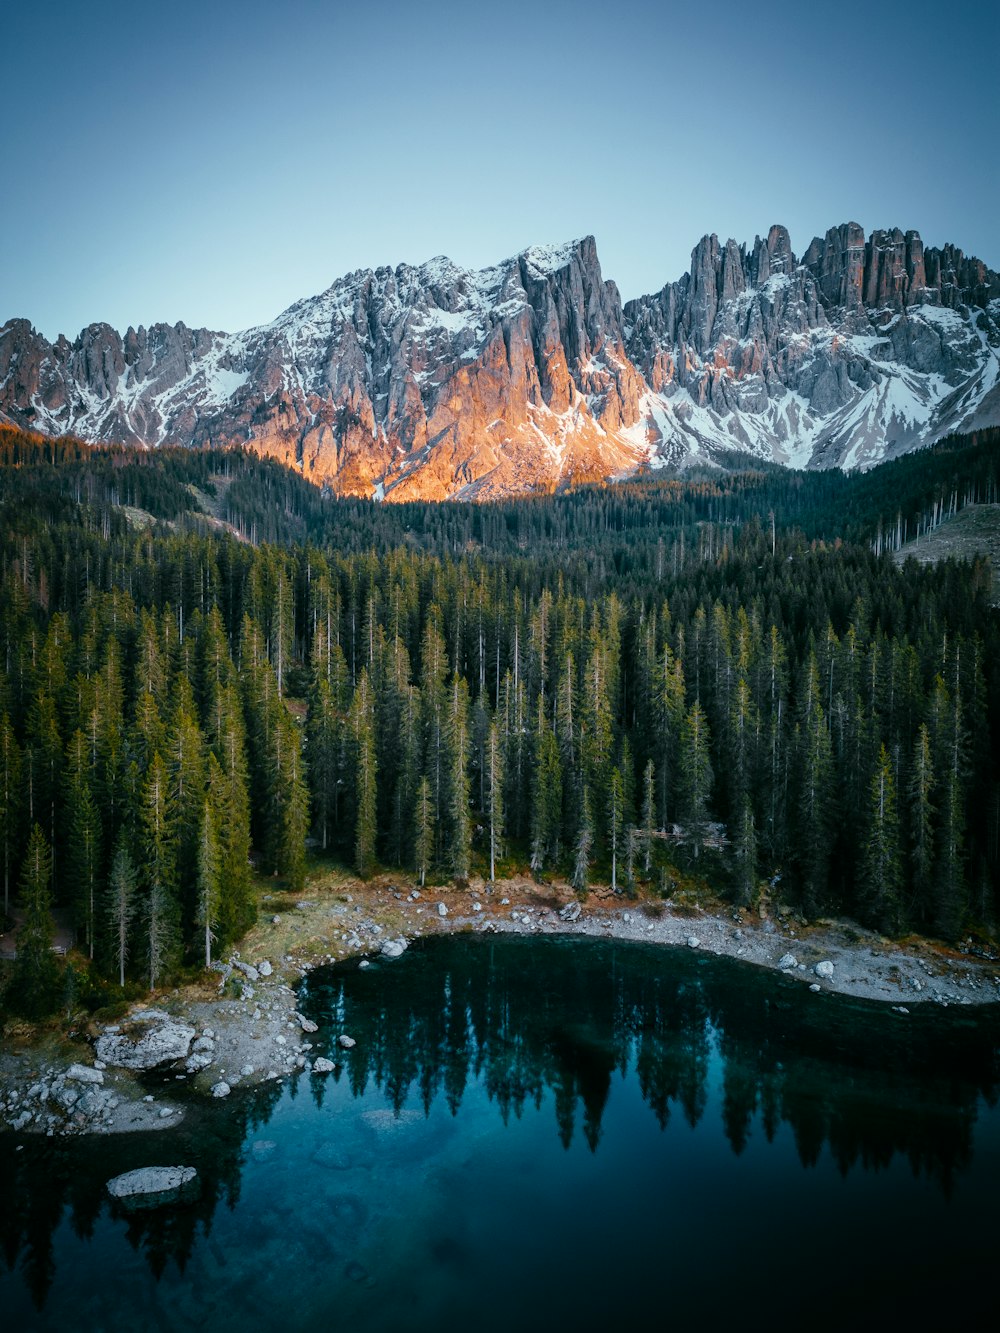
[[321, 1065], [392, 948], [247, 1070], [787, 961], [571, 912], [693, 942], [824, 969], [442, 910], [264, 968], [84, 1074], [815, 987], [306, 1024], [150, 1038], [248, 970], [763, 344], [346, 1042], [153, 1186], [221, 1089]]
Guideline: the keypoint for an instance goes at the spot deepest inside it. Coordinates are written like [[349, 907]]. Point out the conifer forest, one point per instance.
[[210, 672]]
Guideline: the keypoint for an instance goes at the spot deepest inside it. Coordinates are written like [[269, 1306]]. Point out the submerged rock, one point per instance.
[[346, 1042], [153, 1186]]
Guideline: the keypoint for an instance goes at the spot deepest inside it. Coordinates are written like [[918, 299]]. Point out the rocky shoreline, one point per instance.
[[245, 1027]]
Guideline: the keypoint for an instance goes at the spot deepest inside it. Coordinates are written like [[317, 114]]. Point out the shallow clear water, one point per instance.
[[546, 1132]]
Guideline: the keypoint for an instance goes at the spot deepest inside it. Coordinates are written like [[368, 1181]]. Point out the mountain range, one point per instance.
[[436, 382]]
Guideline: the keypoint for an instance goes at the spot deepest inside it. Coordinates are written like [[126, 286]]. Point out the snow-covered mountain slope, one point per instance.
[[435, 381]]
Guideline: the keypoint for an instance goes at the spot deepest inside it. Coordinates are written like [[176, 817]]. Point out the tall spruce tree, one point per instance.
[[11, 805], [209, 865], [366, 770], [161, 907], [120, 906], [35, 980], [494, 795], [881, 869], [423, 830], [457, 752]]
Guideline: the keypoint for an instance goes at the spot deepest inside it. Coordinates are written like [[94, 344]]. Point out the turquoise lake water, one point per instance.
[[539, 1133]]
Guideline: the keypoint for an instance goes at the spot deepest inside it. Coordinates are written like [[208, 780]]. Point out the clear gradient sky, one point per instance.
[[215, 161]]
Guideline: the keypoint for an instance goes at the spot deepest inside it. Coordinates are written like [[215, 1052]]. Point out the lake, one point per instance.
[[550, 1132]]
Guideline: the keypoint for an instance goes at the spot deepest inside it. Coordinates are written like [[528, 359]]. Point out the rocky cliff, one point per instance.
[[434, 381]]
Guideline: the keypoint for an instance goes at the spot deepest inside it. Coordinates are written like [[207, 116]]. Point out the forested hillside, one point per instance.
[[206, 663]]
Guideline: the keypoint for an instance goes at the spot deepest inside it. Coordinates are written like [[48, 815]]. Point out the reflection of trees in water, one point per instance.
[[49, 1180], [526, 1016], [532, 1019]]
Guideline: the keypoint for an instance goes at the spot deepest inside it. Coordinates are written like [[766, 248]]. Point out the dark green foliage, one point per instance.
[[652, 674], [35, 983]]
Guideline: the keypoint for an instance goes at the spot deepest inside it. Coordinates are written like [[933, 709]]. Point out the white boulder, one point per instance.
[[152, 1186]]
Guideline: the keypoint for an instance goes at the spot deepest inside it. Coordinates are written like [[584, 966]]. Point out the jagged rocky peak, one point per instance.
[[431, 380], [891, 270]]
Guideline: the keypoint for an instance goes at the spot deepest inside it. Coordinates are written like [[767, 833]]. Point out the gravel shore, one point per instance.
[[241, 1025]]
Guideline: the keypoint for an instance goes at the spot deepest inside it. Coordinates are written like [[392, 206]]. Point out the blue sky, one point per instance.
[[214, 161]]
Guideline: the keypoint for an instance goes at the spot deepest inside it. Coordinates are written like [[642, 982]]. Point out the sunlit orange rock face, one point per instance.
[[435, 382]]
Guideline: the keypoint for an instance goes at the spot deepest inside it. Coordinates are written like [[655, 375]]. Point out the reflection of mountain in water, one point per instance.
[[534, 1019], [526, 1016]]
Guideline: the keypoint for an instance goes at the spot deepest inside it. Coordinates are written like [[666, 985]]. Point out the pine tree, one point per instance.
[[547, 796], [616, 823], [423, 829], [494, 795], [745, 852], [584, 846], [161, 909], [922, 822], [648, 813], [11, 804], [186, 775], [232, 804], [120, 905], [881, 871], [950, 889], [292, 800], [457, 749], [208, 878], [83, 853], [366, 770], [815, 802], [35, 980], [695, 777]]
